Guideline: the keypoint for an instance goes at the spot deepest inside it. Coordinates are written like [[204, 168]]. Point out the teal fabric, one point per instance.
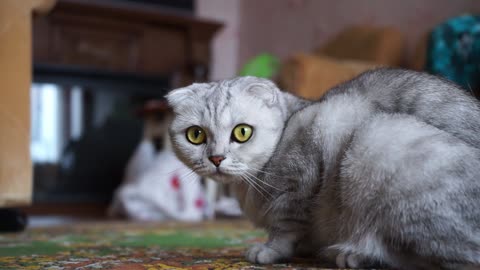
[[454, 51]]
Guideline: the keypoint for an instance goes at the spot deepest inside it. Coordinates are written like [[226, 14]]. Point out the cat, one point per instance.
[[383, 170]]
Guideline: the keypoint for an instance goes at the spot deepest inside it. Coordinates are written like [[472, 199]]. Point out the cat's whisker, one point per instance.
[[195, 169], [189, 177], [263, 182], [252, 184], [258, 185], [269, 208], [265, 172], [171, 172], [196, 166], [186, 174]]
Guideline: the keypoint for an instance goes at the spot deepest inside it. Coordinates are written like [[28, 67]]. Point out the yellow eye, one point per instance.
[[196, 135], [241, 133]]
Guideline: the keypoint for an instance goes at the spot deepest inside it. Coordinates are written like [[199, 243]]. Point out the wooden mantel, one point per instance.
[[121, 36]]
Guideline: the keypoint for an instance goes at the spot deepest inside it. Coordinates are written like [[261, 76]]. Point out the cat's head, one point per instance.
[[227, 130]]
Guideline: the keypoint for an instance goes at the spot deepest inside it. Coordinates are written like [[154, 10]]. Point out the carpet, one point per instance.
[[150, 246]]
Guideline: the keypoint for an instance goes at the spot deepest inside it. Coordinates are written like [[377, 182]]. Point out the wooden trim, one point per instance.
[[133, 12], [44, 6]]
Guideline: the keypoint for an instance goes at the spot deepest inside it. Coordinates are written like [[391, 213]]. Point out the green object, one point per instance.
[[263, 65]]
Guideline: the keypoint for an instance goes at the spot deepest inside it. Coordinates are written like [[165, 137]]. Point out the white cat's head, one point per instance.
[[227, 130]]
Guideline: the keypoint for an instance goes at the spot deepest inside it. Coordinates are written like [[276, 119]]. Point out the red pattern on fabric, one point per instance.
[[175, 182], [199, 203]]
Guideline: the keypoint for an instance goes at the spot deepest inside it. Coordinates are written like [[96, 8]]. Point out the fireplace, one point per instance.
[[95, 64]]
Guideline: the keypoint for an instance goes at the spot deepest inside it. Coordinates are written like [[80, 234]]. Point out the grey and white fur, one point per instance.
[[383, 170]]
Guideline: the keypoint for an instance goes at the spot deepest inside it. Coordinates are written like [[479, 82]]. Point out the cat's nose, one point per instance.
[[216, 160]]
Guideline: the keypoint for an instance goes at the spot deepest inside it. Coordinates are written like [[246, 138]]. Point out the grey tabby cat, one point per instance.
[[385, 169]]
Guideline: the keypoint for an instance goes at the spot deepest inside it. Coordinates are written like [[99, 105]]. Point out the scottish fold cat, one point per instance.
[[383, 170]]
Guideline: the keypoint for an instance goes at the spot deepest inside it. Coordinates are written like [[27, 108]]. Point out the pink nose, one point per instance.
[[216, 160]]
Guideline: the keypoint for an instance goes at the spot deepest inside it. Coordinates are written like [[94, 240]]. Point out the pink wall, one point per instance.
[[287, 26], [283, 27], [226, 44]]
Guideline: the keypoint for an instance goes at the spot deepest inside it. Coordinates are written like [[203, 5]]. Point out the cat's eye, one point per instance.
[[196, 135], [242, 133]]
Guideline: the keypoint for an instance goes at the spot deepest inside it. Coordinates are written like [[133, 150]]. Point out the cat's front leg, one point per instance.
[[279, 248], [348, 259], [351, 260], [286, 219]]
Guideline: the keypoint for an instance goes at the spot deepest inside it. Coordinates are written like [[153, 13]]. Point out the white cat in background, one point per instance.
[[157, 186]]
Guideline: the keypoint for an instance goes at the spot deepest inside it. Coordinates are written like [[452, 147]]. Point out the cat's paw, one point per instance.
[[350, 260], [263, 254]]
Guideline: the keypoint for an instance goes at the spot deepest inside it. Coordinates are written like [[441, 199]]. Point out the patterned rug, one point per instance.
[[214, 245]]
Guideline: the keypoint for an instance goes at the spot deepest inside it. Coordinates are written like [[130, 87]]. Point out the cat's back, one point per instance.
[[428, 98], [327, 121], [400, 90], [390, 80], [407, 144], [395, 160]]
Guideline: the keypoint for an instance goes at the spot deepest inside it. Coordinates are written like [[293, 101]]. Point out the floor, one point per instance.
[[121, 245]]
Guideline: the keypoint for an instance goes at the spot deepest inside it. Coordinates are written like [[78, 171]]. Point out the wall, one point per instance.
[[226, 43], [283, 27]]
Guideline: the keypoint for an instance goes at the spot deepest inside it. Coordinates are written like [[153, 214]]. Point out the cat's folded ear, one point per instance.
[[181, 97], [265, 90]]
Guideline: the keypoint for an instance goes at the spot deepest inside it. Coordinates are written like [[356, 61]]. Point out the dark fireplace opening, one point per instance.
[[84, 130]]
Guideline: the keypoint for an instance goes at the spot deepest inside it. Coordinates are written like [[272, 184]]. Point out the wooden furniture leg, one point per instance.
[[15, 79]]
